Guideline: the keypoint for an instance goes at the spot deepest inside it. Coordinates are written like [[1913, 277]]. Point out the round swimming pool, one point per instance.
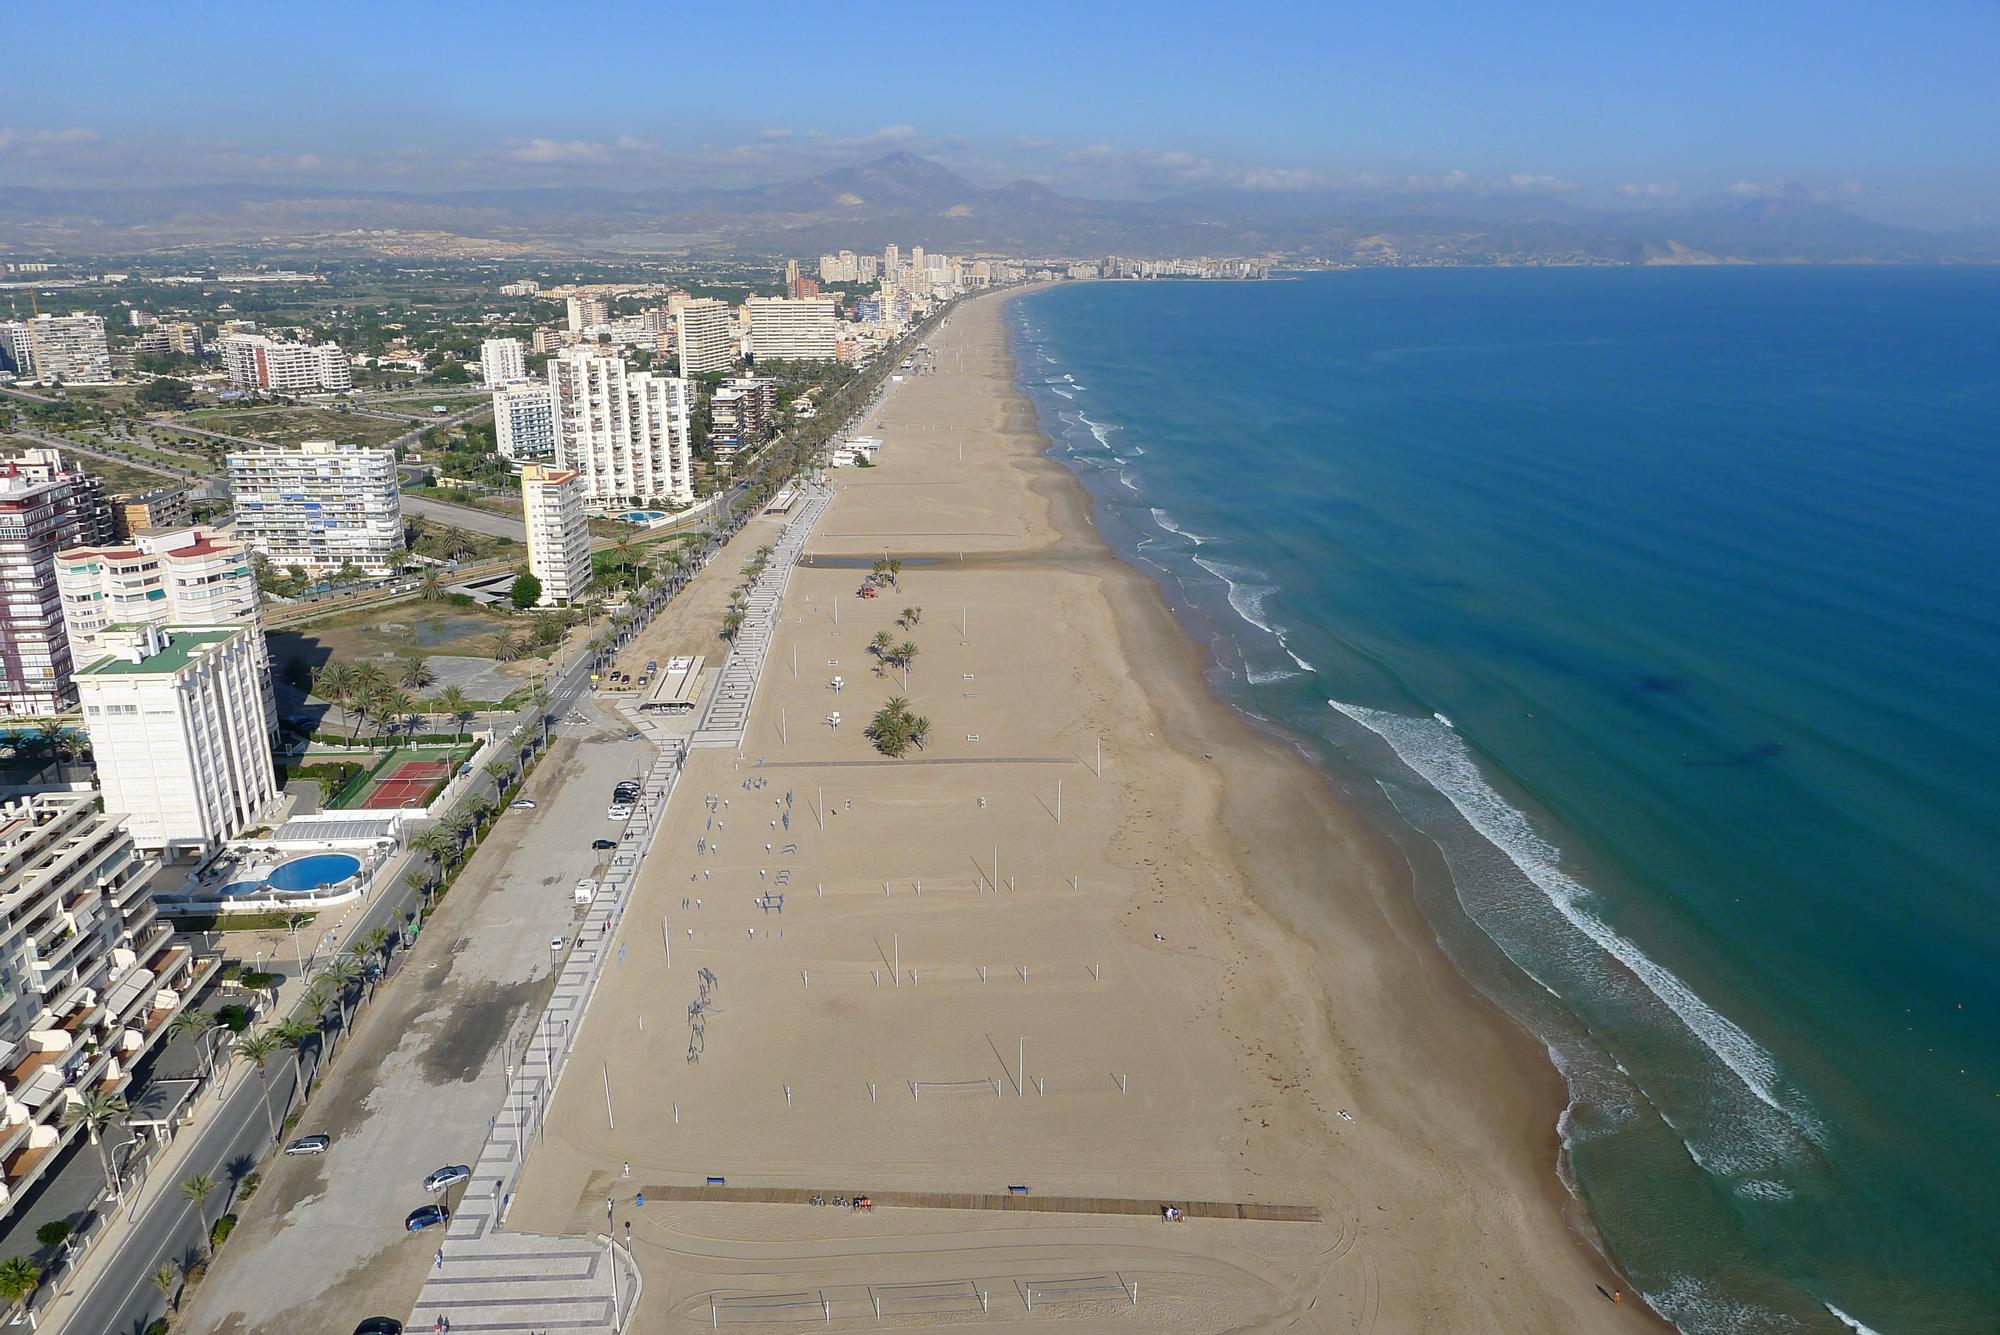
[[311, 873]]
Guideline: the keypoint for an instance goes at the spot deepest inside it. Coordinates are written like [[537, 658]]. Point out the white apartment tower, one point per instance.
[[48, 348], [703, 331], [256, 362], [587, 312], [803, 331], [558, 532], [320, 505], [625, 432], [176, 722], [44, 507], [502, 362], [524, 421], [168, 576]]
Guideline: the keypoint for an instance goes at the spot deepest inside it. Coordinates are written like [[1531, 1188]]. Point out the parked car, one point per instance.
[[424, 1216], [619, 813], [632, 735], [448, 1176], [309, 1145], [379, 1325], [521, 804], [603, 845]]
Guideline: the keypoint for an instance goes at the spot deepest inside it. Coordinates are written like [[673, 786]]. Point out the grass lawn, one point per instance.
[[289, 426]]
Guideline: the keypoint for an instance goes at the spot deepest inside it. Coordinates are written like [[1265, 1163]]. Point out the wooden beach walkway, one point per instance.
[[972, 1200]]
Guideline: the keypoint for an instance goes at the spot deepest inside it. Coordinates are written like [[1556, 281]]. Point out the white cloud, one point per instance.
[[559, 151], [1648, 190], [773, 135]]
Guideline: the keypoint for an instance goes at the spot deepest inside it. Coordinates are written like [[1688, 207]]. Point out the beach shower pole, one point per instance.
[[667, 935], [1021, 1065], [819, 813], [896, 944], [610, 1121], [1058, 801], [1098, 768]]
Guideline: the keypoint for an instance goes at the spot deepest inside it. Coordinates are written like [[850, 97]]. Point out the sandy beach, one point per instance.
[[1099, 938]]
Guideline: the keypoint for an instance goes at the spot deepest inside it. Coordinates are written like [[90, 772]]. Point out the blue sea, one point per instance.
[[1655, 614]]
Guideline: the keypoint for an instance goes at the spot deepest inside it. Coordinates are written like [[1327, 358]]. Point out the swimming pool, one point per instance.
[[643, 516], [311, 873]]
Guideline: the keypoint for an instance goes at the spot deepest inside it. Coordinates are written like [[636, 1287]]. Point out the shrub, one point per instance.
[[248, 1186], [219, 1231], [235, 1016], [157, 1326], [54, 1233]]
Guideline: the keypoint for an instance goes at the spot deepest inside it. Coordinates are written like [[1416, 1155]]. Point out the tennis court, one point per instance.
[[410, 784]]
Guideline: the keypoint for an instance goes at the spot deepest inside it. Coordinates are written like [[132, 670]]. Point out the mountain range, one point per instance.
[[909, 199]]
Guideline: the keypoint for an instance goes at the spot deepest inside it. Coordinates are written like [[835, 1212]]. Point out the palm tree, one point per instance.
[[257, 1050], [295, 1034], [506, 648], [896, 571], [432, 587], [391, 705], [889, 729], [342, 971], [367, 676], [451, 702], [334, 682], [19, 1278], [881, 644], [167, 1279], [197, 1022], [198, 1189], [732, 621], [906, 654], [97, 1112], [919, 728], [434, 843], [911, 616], [416, 673], [501, 771]]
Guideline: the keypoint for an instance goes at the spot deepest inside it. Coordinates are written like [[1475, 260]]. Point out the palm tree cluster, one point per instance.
[[895, 729], [886, 572], [890, 653], [365, 690]]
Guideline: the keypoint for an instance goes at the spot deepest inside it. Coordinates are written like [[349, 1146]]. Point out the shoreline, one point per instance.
[[1145, 621], [1195, 909]]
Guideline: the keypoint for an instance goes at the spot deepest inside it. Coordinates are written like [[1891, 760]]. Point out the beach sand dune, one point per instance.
[[1097, 938]]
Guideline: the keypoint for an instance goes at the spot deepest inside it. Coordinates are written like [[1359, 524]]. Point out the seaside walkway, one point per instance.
[[491, 1280], [728, 712]]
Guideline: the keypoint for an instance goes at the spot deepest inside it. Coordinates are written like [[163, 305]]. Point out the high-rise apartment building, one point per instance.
[[176, 722], [588, 312], [626, 432], [162, 507], [48, 348], [524, 421], [183, 337], [784, 330], [89, 979], [558, 532], [319, 505], [526, 287], [741, 414], [256, 362], [44, 508], [184, 577], [502, 362], [704, 337]]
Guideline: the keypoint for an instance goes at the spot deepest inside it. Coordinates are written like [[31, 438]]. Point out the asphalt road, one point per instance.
[[490, 522]]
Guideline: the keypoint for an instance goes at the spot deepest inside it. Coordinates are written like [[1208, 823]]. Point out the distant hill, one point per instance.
[[911, 200]]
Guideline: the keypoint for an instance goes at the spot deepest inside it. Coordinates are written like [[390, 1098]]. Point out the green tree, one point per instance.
[[416, 673], [432, 587], [198, 1189], [97, 1112], [19, 1278], [167, 1279], [257, 1051], [527, 590], [166, 395], [197, 1023], [54, 1234], [451, 702]]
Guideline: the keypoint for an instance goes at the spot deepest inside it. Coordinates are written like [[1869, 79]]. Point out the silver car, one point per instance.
[[309, 1145], [448, 1176]]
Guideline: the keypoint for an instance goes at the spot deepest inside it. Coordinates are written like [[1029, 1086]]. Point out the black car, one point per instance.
[[424, 1216], [603, 845], [379, 1325]]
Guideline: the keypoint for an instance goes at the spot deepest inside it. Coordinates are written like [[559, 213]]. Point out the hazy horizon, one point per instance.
[[1554, 102]]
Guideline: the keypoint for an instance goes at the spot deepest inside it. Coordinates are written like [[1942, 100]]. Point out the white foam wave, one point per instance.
[[1261, 678], [1848, 1321], [1289, 653], [1692, 1304], [1101, 430], [1167, 522], [1765, 1189], [1438, 754], [1126, 479], [1246, 597], [1057, 390]]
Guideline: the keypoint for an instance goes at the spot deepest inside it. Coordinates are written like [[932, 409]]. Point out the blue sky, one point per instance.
[[1891, 109]]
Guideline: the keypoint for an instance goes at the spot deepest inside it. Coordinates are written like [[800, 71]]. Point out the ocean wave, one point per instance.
[[1256, 678], [1848, 1321], [1248, 598], [1125, 478], [1442, 758], [1057, 390], [1167, 522], [1101, 430], [1693, 1304]]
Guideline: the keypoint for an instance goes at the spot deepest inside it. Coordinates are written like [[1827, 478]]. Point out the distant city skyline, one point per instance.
[[1883, 115]]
